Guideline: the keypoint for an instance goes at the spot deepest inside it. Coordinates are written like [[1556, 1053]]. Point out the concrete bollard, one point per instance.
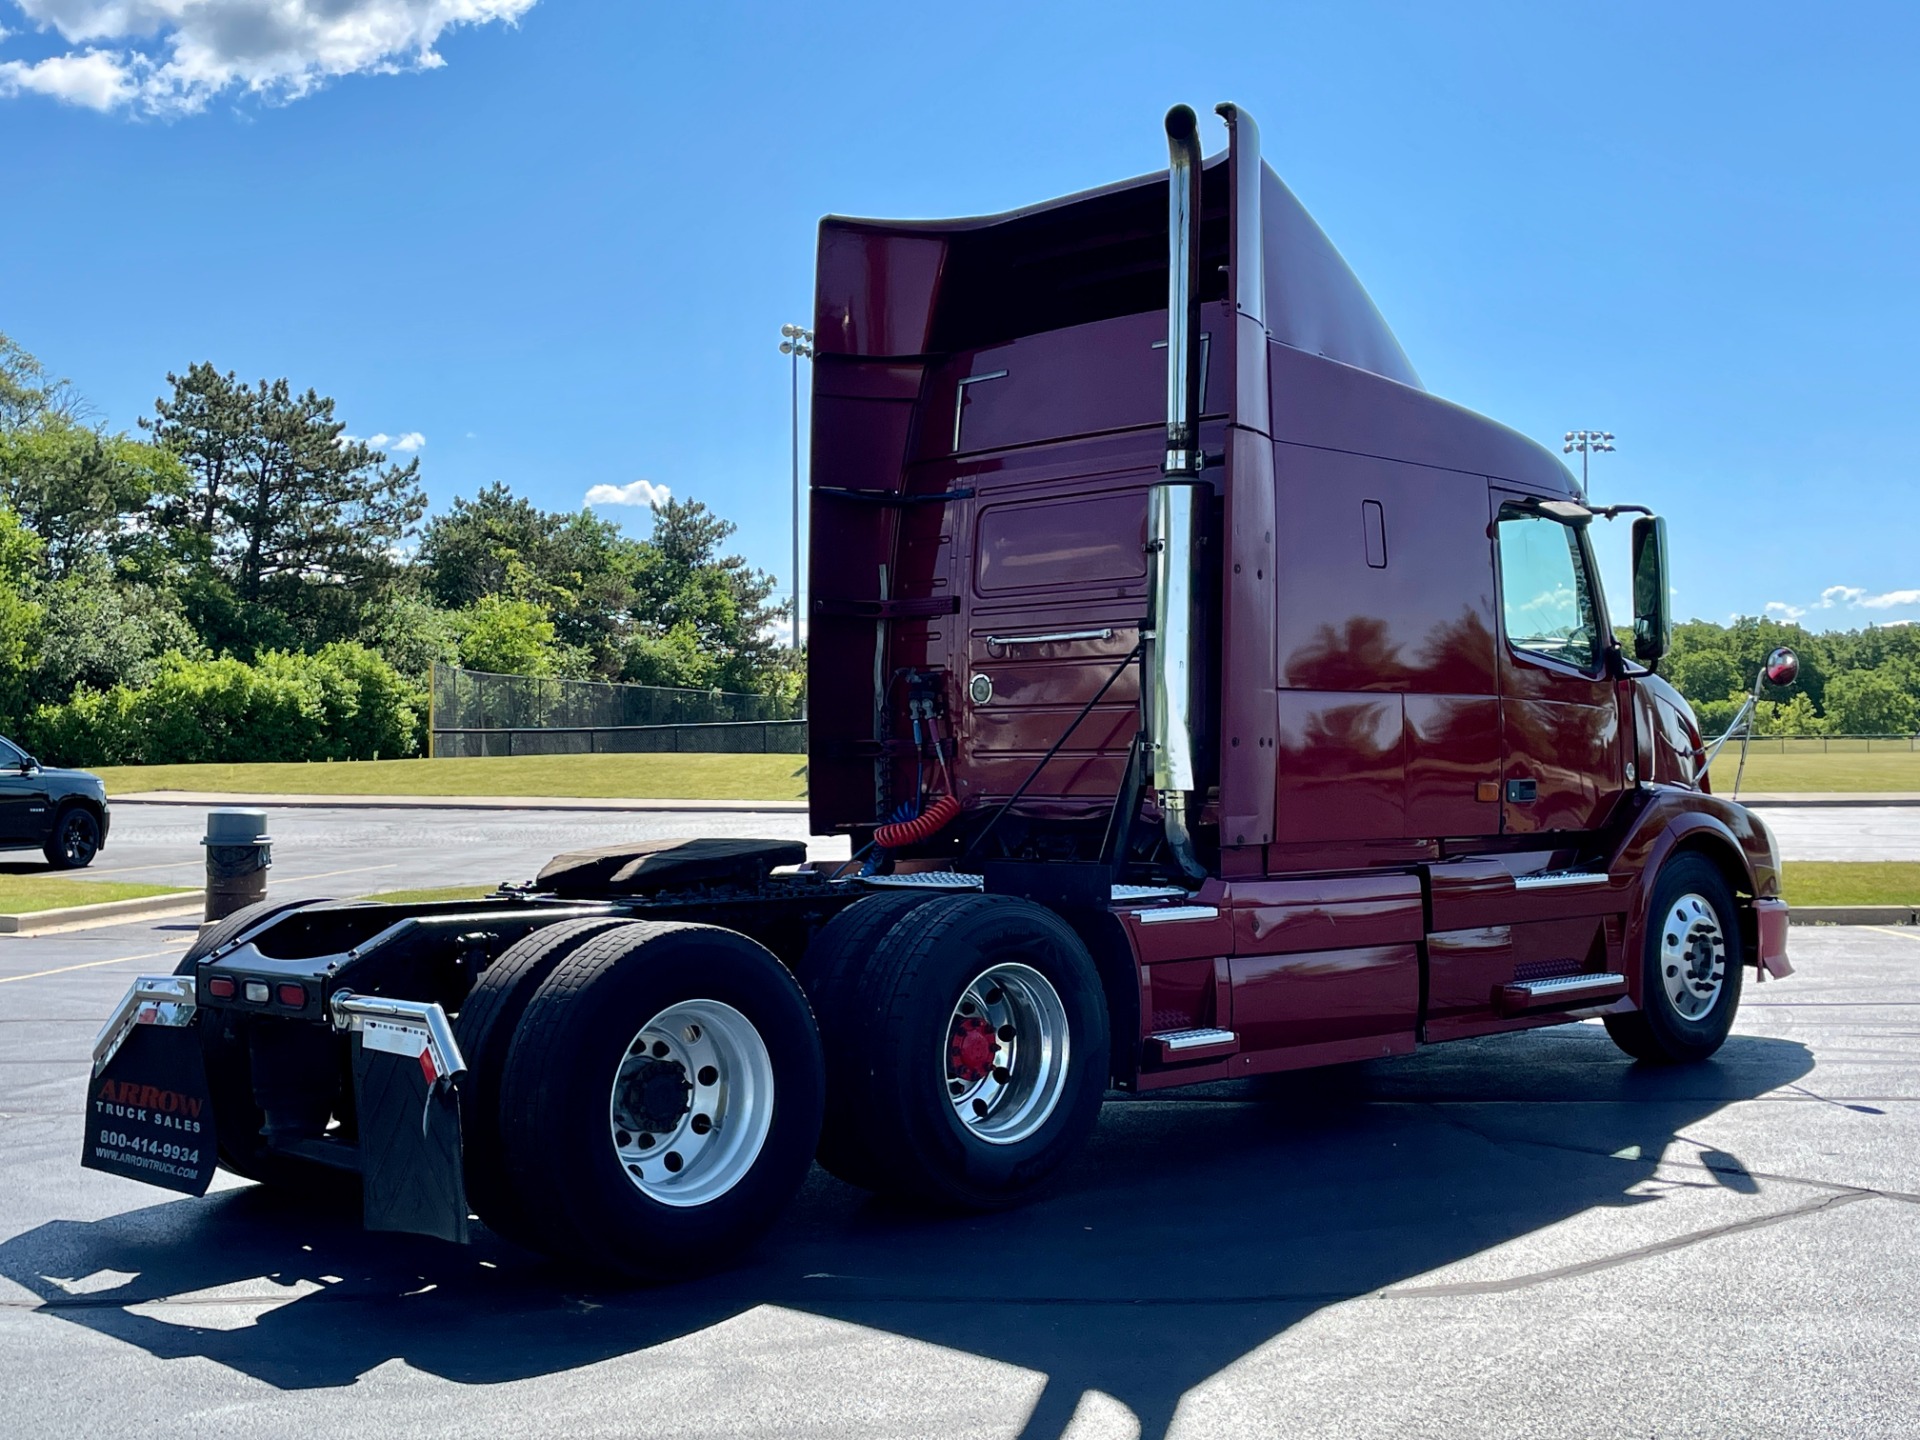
[[239, 854]]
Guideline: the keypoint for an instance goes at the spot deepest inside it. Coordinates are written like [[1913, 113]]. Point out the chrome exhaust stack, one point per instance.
[[1173, 516], [1183, 294]]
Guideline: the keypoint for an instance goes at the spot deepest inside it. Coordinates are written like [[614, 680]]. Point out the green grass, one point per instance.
[[443, 892], [595, 777], [1850, 882], [1858, 772], [25, 894]]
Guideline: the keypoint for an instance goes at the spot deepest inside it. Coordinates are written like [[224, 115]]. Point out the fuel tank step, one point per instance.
[[1561, 992], [1183, 1045]]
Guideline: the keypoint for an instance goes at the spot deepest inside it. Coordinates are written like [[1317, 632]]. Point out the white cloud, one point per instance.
[[637, 492], [1854, 597], [1784, 611], [380, 440], [1890, 599], [94, 79], [172, 57]]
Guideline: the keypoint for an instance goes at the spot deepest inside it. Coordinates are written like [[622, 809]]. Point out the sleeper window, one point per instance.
[[1546, 600]]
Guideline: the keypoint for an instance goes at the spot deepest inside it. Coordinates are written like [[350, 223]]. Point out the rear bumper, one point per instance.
[[1771, 935], [152, 1115]]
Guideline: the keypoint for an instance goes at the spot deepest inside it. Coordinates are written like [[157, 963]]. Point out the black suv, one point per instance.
[[63, 812]]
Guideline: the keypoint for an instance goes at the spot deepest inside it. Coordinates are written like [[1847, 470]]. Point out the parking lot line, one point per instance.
[[1906, 934], [329, 874], [88, 965]]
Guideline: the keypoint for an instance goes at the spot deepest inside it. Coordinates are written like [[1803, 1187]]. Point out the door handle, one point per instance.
[[1521, 792]]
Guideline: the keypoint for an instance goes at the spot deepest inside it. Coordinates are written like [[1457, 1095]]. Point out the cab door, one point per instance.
[[1562, 757], [23, 799]]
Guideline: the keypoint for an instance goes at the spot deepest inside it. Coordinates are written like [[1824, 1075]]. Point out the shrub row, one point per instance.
[[341, 703]]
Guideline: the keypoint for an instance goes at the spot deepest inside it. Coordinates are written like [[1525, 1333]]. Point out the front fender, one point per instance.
[[1672, 818]]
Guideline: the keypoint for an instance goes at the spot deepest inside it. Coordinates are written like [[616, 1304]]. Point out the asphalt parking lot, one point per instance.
[[1844, 832], [1520, 1236], [354, 850]]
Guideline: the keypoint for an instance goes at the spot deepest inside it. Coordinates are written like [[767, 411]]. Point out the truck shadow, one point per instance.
[[1194, 1229]]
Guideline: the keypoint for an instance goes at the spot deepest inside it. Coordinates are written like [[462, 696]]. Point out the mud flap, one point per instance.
[[405, 1067], [149, 1112]]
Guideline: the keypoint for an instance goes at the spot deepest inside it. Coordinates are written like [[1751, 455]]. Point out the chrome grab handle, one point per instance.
[[353, 1012], [996, 642], [150, 1000]]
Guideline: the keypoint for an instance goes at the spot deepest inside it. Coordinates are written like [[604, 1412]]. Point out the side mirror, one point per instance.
[[1652, 603], [1782, 667]]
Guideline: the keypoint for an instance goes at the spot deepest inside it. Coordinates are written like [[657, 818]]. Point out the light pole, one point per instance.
[[797, 341], [1587, 442]]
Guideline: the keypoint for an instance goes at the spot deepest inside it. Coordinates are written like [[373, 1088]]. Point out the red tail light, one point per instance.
[[292, 994], [220, 987]]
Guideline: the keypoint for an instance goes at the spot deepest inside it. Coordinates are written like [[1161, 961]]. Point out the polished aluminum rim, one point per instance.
[[1693, 957], [692, 1103], [1005, 1066]]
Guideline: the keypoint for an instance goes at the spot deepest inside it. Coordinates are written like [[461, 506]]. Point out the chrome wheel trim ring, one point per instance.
[[1031, 1048], [713, 1143], [1693, 957]]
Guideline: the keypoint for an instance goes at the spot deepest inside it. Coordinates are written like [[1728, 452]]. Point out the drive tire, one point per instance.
[[74, 839], [484, 1030], [223, 1048], [1691, 918], [563, 1076], [921, 973], [831, 972]]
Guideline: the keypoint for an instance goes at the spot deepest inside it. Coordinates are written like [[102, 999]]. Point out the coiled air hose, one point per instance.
[[930, 822]]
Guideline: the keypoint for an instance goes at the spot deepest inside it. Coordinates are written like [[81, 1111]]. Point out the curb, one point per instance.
[[1854, 915], [456, 802], [180, 902]]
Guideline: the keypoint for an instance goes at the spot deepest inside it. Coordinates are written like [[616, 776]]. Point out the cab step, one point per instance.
[[1561, 992], [1180, 1046]]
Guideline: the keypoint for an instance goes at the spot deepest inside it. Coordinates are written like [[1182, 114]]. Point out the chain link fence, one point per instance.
[[1827, 744], [474, 713]]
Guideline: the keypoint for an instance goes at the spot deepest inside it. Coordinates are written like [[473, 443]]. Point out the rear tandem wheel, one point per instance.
[[661, 1100], [979, 1028]]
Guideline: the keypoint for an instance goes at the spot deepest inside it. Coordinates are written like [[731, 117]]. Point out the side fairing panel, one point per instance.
[[1389, 718]]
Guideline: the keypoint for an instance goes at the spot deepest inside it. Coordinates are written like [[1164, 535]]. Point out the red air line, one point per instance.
[[931, 821]]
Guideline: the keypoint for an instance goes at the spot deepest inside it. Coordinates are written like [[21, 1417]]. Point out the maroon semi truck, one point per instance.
[[1202, 698]]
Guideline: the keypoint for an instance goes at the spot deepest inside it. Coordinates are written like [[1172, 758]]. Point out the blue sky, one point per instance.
[[557, 242]]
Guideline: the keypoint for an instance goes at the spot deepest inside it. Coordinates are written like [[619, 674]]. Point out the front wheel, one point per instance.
[[1690, 968], [75, 839], [661, 1100]]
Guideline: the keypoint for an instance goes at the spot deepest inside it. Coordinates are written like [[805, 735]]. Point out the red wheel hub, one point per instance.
[[970, 1049]]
